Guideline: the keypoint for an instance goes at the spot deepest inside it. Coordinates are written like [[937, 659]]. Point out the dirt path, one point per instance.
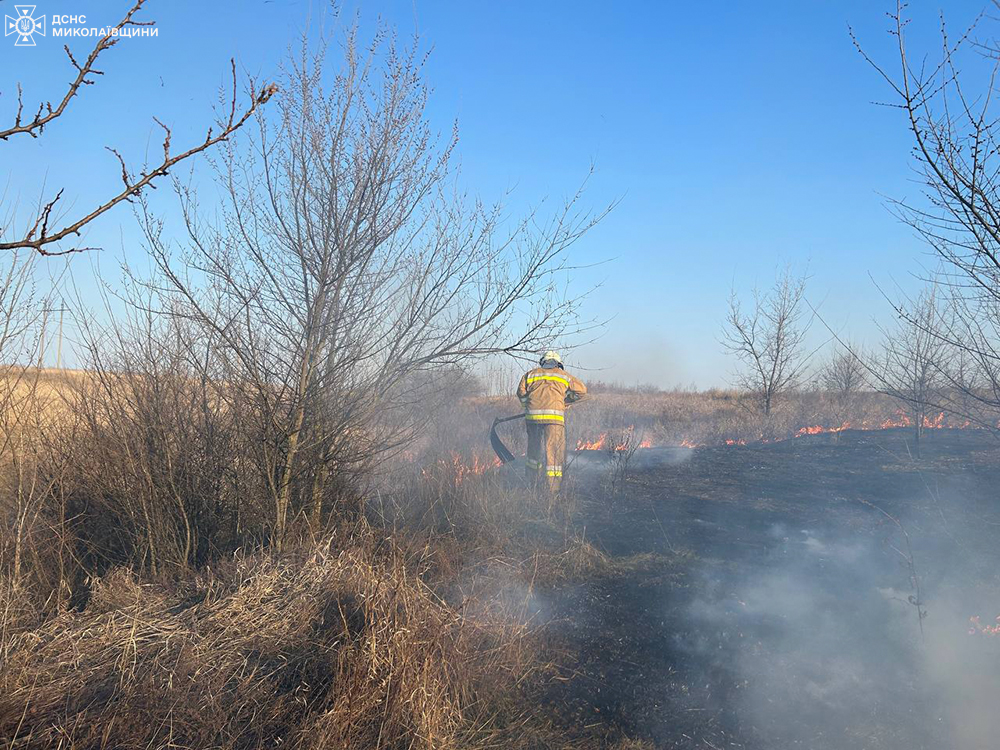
[[754, 597]]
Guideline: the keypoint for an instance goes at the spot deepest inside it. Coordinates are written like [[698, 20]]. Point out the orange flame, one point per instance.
[[592, 445], [934, 424], [819, 429], [977, 628], [457, 469], [900, 420], [602, 442]]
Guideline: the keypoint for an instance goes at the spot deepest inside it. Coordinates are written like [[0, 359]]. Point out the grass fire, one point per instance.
[[426, 376]]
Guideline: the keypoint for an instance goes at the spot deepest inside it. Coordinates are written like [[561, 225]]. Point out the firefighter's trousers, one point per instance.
[[546, 451]]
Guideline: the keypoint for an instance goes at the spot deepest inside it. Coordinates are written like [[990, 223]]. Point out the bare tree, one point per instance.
[[912, 365], [47, 229], [843, 374], [346, 271], [843, 377], [951, 112], [768, 340]]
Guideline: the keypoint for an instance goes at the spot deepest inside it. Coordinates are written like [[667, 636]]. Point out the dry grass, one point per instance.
[[686, 417], [340, 647], [416, 627], [378, 637], [45, 391]]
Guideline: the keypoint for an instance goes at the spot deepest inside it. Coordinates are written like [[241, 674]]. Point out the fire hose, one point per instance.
[[502, 451]]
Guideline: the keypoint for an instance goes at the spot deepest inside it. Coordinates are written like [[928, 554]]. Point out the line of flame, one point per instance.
[[459, 469], [601, 442], [901, 420]]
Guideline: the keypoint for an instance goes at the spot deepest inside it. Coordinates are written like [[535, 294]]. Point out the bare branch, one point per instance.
[[39, 237], [46, 112]]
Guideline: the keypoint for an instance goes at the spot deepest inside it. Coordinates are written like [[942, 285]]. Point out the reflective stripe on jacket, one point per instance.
[[546, 391], [545, 415]]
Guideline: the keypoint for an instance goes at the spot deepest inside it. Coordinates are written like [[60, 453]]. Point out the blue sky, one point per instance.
[[739, 137]]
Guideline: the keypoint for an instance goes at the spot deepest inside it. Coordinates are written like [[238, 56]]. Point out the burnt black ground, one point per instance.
[[756, 598]]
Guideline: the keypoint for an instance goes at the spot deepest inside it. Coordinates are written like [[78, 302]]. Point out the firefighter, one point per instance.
[[545, 392]]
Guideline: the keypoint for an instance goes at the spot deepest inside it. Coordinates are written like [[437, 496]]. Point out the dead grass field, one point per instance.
[[334, 646], [721, 596]]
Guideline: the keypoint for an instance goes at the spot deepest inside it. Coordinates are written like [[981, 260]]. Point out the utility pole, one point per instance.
[[59, 336], [41, 338], [59, 345]]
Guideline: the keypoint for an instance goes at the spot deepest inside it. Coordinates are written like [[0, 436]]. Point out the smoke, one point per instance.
[[963, 667], [823, 645], [593, 463]]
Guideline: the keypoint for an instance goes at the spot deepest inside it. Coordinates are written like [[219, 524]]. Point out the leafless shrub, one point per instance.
[[28, 563], [621, 448], [166, 467], [912, 362], [844, 378], [905, 553], [768, 340], [843, 374]]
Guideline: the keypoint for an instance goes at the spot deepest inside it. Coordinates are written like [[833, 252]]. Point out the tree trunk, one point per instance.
[[285, 488], [319, 484]]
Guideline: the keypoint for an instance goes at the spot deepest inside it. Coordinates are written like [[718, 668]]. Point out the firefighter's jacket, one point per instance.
[[545, 392]]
